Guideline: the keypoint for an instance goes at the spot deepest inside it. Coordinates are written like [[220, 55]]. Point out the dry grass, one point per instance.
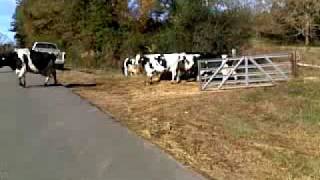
[[265, 133]]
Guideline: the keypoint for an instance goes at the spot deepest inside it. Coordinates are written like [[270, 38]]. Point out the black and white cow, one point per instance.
[[132, 66], [8, 59], [35, 62], [177, 63], [187, 65], [153, 64], [226, 69]]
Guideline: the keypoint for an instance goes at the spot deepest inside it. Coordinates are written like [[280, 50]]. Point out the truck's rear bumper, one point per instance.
[[59, 61]]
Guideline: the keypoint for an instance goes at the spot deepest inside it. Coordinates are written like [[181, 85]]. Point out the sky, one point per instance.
[[7, 8]]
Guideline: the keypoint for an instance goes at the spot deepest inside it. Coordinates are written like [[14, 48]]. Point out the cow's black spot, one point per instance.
[[144, 61], [150, 65], [42, 60], [129, 62], [162, 61], [181, 64], [18, 63], [25, 60], [10, 59]]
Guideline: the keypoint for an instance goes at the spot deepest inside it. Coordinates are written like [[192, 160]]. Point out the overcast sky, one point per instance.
[[7, 8]]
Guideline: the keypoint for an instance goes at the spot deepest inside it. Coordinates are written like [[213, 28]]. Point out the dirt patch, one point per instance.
[[265, 133]]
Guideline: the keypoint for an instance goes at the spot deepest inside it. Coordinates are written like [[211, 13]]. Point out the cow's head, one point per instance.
[[144, 60], [189, 61], [138, 59], [10, 59], [2, 60]]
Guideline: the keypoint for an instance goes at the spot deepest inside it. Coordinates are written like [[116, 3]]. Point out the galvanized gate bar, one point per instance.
[[230, 73], [213, 76], [277, 68], [274, 55], [199, 75], [249, 71], [260, 68]]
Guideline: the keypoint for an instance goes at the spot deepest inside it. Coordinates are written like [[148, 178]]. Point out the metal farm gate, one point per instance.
[[246, 71]]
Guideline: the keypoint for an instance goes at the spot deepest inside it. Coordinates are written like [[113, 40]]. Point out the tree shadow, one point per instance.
[[66, 69], [69, 86], [79, 85], [43, 86]]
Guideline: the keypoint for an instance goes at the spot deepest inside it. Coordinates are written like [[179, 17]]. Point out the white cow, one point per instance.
[[176, 63], [132, 66], [226, 70], [35, 62], [21, 53], [152, 64]]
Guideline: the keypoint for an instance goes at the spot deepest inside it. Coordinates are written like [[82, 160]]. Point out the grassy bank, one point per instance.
[[264, 133]]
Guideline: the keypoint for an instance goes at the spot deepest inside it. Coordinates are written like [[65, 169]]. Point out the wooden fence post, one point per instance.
[[294, 65]]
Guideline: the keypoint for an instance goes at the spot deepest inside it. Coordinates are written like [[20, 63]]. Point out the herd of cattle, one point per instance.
[[155, 64], [24, 60], [176, 64]]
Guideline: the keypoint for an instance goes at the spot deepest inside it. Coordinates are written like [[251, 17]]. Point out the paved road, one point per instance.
[[52, 134]]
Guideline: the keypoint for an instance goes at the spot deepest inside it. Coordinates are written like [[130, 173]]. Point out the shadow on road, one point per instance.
[[64, 69], [43, 86], [69, 86], [78, 85]]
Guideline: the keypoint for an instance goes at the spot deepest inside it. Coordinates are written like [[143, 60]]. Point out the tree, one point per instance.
[[17, 25], [299, 16], [291, 18], [98, 33]]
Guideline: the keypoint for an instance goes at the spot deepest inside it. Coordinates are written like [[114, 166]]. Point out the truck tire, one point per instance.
[[60, 66]]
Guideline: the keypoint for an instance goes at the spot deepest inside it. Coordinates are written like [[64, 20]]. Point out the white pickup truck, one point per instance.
[[53, 49]]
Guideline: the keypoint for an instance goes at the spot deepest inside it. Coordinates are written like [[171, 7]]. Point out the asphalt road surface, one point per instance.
[[52, 134]]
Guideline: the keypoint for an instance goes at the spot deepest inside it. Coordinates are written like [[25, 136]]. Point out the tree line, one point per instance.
[[101, 33], [289, 20]]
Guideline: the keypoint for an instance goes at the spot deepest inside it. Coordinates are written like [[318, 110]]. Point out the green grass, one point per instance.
[[238, 128], [276, 111], [296, 166], [298, 99]]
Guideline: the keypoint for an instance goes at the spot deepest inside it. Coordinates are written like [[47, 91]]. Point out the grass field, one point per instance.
[[264, 133], [308, 55], [259, 133]]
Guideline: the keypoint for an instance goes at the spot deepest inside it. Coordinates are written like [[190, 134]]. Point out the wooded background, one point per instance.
[[101, 33]]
